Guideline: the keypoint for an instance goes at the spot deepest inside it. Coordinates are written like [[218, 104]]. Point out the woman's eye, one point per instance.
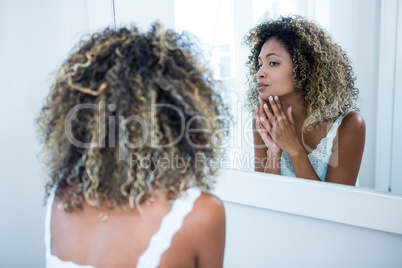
[[273, 63], [259, 66]]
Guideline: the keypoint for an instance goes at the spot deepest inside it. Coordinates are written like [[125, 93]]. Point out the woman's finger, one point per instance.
[[280, 106], [264, 108], [274, 105], [264, 112], [265, 124], [256, 112], [289, 113], [258, 125], [268, 115], [280, 114]]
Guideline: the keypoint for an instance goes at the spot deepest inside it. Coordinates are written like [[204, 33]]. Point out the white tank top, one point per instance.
[[159, 243]]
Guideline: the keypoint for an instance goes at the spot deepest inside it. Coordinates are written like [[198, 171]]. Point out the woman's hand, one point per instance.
[[282, 128], [262, 123]]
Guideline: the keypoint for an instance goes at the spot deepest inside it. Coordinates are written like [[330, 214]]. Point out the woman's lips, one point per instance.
[[261, 86]]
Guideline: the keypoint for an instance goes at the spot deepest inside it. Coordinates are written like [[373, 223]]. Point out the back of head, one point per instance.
[[130, 112]]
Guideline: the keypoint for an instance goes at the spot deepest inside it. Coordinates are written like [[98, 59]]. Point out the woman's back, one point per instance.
[[117, 238]]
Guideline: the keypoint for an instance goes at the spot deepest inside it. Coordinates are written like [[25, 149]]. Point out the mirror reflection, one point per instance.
[[360, 33], [307, 121], [369, 37]]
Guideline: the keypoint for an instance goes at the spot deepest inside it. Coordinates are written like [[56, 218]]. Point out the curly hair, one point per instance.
[[130, 112], [321, 69]]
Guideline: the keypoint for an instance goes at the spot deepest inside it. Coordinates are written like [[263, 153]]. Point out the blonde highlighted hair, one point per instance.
[[155, 83]]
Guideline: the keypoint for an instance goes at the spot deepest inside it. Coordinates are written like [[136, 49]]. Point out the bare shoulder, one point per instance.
[[208, 199], [207, 227], [353, 122], [207, 216], [347, 150], [209, 207], [352, 132]]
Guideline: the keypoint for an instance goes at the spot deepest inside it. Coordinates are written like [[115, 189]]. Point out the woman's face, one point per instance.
[[276, 70]]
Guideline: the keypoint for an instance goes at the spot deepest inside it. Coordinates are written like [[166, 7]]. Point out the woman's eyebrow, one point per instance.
[[269, 54]]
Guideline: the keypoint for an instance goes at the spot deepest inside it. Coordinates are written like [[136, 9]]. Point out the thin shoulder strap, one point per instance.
[[332, 132], [47, 220], [171, 223]]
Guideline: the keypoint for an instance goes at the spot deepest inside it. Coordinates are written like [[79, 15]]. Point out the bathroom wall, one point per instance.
[[275, 221]]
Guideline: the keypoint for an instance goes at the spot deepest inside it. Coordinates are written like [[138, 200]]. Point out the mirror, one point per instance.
[[369, 36], [365, 34]]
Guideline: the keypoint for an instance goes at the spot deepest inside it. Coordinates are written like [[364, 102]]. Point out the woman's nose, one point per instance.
[[260, 73]]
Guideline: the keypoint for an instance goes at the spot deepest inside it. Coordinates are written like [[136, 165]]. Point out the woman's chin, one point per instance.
[[265, 95]]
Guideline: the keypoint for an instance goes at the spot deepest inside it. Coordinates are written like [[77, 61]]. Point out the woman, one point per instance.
[[303, 97], [128, 156]]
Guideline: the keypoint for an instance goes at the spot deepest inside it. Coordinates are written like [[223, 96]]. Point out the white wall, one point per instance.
[[259, 237], [34, 41], [145, 12], [275, 221]]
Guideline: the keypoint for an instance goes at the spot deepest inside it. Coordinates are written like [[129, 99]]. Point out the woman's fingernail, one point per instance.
[[276, 98], [261, 119], [270, 98], [265, 106]]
